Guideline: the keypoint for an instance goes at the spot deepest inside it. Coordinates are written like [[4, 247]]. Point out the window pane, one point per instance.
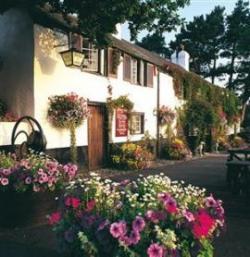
[[137, 123], [150, 75], [126, 67], [134, 71], [91, 56]]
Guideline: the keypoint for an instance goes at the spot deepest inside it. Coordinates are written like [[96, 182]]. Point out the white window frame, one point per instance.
[[137, 123]]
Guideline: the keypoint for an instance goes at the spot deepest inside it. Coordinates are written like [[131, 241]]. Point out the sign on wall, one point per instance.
[[121, 123]]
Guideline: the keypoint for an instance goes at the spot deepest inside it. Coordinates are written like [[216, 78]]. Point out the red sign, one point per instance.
[[121, 123]]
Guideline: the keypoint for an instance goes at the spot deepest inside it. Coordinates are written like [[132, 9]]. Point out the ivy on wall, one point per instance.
[[189, 86]]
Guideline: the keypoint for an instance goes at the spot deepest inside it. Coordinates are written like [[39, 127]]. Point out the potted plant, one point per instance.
[[28, 187], [148, 217]]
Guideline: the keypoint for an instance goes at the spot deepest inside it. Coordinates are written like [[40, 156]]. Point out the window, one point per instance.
[[134, 73], [127, 67], [114, 56], [91, 56], [137, 123], [137, 71], [149, 75]]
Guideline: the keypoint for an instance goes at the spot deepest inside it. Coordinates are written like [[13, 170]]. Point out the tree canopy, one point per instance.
[[219, 46], [98, 18]]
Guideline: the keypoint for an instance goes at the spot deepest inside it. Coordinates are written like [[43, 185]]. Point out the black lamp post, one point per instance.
[[72, 57]]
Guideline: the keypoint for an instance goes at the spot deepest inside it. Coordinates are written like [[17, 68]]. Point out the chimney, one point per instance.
[[181, 58], [118, 34]]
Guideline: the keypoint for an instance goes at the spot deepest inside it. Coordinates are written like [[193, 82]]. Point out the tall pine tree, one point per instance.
[[202, 38], [233, 48]]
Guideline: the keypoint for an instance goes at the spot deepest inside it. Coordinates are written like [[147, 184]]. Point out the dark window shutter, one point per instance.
[[150, 75], [110, 65], [126, 67], [142, 123], [77, 41]]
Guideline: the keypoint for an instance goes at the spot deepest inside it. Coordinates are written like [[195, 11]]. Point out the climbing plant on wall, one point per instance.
[[190, 87]]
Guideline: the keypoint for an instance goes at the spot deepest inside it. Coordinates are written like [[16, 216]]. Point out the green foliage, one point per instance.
[[131, 156], [120, 102], [190, 86], [199, 116], [175, 149], [155, 43], [207, 250], [98, 18], [226, 37], [203, 47]]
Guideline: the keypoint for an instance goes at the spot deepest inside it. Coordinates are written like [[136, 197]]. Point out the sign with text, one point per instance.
[[121, 123]]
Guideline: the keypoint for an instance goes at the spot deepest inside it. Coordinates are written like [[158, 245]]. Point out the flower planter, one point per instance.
[[26, 209]]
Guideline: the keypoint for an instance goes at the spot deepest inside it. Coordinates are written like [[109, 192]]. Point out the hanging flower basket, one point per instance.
[[165, 115]]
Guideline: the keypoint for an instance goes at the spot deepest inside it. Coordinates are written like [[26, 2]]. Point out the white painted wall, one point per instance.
[[51, 77], [6, 129], [168, 98]]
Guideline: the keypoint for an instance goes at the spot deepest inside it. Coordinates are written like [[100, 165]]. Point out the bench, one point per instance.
[[238, 176]]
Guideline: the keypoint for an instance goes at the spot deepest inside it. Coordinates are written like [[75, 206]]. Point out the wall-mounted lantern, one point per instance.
[[72, 58]]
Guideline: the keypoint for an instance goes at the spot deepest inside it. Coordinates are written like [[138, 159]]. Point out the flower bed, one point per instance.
[[131, 156], [28, 187], [175, 150], [149, 217]]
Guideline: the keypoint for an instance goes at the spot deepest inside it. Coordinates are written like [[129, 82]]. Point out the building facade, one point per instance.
[[33, 71]]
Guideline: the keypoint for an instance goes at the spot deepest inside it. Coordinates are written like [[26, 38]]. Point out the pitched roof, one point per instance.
[[44, 17]]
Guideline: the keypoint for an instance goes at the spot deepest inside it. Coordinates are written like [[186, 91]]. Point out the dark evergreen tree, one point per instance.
[[233, 49], [202, 38], [155, 43], [97, 18]]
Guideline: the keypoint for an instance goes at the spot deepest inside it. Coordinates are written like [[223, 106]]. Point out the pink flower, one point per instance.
[[134, 237], [170, 205], [118, 229], [155, 216], [188, 215], [155, 250], [5, 181], [6, 172], [75, 202], [138, 224], [72, 201], [210, 202], [90, 205], [203, 224], [55, 218], [28, 180]]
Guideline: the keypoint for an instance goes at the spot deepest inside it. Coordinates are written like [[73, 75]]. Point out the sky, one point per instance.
[[196, 8]]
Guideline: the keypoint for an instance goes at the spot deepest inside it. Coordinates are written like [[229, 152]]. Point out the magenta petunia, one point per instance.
[[155, 250], [118, 229], [55, 218], [5, 181], [138, 224], [155, 216]]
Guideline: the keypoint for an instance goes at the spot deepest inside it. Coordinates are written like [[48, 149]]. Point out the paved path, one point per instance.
[[208, 172]]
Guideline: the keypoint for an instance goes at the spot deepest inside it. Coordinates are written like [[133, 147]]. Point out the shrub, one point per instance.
[[147, 217], [131, 156], [34, 173], [175, 150], [223, 143], [237, 142]]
